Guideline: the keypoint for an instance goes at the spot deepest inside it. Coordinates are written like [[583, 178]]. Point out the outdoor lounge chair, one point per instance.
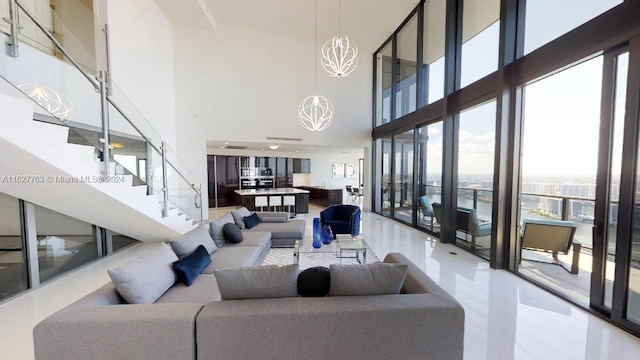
[[468, 223], [555, 236], [427, 209]]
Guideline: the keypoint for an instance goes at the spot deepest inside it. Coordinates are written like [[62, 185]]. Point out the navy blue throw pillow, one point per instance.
[[232, 233], [251, 221], [314, 282], [188, 268]]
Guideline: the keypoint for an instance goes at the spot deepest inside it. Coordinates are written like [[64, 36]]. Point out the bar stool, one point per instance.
[[275, 201], [260, 202], [290, 202]]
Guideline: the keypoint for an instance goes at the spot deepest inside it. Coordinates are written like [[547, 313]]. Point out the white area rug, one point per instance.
[[322, 257]]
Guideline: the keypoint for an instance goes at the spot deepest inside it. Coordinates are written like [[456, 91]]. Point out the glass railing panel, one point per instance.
[[54, 83], [45, 110], [4, 14], [581, 212], [465, 198], [183, 196], [153, 172], [81, 50], [128, 148], [484, 205], [183, 180], [135, 122]]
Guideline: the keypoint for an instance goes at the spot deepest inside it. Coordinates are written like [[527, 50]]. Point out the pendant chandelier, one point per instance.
[[339, 55], [315, 113]]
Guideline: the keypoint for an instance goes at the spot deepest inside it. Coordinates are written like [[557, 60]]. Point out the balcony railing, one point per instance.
[[532, 206]]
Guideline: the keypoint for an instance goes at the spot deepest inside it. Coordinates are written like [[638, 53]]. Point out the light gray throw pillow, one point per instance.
[[215, 228], [189, 242], [370, 279], [258, 282], [144, 279], [239, 215]]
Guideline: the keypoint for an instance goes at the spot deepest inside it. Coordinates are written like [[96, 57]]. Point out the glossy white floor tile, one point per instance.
[[506, 317]]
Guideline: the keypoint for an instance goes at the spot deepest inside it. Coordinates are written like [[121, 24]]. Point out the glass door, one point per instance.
[[605, 230], [403, 177]]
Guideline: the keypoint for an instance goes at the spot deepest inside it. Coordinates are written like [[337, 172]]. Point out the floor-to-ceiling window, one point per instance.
[[547, 83], [429, 174], [383, 84], [403, 176], [559, 162], [546, 20], [433, 49], [13, 270], [480, 39], [64, 243], [476, 151], [405, 86]]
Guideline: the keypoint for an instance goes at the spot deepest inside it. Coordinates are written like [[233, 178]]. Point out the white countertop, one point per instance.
[[277, 191]]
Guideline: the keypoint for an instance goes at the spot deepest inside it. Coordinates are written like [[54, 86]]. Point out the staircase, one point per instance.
[[38, 165]]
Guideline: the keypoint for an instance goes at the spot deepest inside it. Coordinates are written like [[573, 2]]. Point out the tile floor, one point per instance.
[[506, 317]]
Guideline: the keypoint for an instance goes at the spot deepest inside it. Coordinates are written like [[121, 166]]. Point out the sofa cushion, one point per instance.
[[203, 291], [257, 282], [232, 233], [314, 282], [273, 219], [251, 221], [294, 229], [239, 215], [215, 228], [190, 266], [370, 279], [260, 239], [188, 243], [143, 279], [232, 257]]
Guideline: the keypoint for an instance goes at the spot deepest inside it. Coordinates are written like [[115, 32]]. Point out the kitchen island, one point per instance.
[[323, 196], [247, 198]]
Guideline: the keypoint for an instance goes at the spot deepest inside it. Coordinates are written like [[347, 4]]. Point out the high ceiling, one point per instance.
[[368, 22]]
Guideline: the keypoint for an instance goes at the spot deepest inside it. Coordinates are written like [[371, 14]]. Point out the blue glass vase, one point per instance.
[[327, 234], [317, 233]]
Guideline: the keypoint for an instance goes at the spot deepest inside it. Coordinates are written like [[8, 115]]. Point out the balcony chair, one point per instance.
[[468, 223], [551, 236], [343, 219], [427, 209]]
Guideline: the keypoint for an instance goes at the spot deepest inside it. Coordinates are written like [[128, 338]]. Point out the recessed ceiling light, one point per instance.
[[273, 147], [262, 149], [221, 147], [296, 150], [312, 148], [226, 142]]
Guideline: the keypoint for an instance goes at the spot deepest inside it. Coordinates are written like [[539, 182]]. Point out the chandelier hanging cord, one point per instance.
[[315, 113]]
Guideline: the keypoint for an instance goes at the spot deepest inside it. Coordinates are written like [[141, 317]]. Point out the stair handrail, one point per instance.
[[101, 86]]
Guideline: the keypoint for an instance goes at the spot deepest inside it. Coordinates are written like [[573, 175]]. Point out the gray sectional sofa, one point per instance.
[[422, 321], [284, 231]]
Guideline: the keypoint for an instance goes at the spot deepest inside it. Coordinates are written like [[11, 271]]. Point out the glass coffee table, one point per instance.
[[351, 245], [344, 246]]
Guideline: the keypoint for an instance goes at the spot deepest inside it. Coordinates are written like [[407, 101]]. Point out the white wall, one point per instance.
[[191, 118], [142, 61], [249, 84]]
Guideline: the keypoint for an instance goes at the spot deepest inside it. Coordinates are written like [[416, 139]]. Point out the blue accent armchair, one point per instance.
[[343, 219]]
